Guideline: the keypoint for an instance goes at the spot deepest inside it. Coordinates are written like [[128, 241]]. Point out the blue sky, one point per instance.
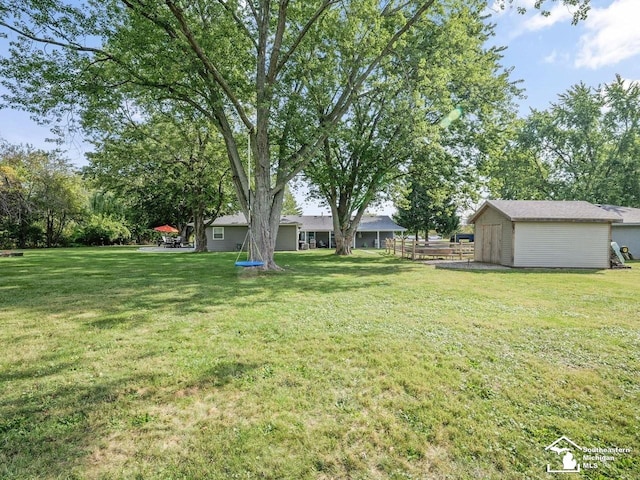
[[547, 53], [550, 55]]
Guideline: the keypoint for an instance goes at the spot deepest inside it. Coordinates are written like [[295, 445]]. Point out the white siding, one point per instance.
[[560, 244]]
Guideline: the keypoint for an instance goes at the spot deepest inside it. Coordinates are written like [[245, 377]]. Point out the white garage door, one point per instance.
[[549, 244]]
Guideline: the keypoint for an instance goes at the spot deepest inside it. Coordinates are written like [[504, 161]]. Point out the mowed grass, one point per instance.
[[122, 364]]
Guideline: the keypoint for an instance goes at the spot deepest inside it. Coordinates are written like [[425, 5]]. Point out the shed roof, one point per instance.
[[548, 211], [630, 216]]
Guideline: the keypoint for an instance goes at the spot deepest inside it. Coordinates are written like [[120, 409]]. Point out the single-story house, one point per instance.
[[372, 232], [228, 233], [627, 232], [540, 233]]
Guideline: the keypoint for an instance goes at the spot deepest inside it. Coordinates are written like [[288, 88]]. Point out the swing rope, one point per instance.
[[251, 247]]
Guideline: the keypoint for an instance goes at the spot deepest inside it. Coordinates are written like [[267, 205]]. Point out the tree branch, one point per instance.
[[277, 42], [239, 22], [296, 43], [209, 66], [70, 45]]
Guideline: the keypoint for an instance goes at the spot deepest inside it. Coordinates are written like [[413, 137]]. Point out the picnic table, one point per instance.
[[171, 242]]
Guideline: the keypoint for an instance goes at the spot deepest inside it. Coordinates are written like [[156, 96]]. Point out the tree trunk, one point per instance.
[[342, 228], [199, 232], [343, 242], [22, 232], [49, 231], [266, 208]]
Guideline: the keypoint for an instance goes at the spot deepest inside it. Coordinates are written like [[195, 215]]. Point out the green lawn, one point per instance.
[[122, 364]]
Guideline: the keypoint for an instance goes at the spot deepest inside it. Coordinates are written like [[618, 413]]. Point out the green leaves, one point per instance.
[[584, 147], [40, 196], [409, 114], [579, 8]]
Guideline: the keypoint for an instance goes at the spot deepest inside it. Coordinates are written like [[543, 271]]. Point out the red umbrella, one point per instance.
[[166, 229]]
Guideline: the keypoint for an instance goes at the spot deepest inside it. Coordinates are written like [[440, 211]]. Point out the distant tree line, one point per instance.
[[41, 198], [585, 146], [132, 183]]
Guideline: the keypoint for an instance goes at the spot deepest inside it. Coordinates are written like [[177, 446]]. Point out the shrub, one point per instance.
[[103, 230]]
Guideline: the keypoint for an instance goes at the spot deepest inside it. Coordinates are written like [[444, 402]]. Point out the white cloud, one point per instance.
[[551, 58], [556, 57], [559, 13], [533, 20], [612, 35]]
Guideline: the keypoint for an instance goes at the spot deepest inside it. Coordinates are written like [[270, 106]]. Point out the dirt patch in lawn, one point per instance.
[[464, 265]]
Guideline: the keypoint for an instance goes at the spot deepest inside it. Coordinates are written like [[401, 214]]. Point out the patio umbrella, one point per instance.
[[166, 229]]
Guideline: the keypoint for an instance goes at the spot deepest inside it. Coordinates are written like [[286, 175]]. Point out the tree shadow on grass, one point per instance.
[[523, 271], [52, 421], [124, 287], [49, 428], [223, 373]]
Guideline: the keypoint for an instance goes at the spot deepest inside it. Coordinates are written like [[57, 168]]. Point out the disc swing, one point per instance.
[[248, 239], [250, 247]]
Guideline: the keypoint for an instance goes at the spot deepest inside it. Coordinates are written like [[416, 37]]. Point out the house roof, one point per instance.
[[375, 223], [630, 216], [368, 223], [239, 220], [317, 223], [548, 211]]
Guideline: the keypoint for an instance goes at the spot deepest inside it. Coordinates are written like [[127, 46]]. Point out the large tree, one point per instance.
[[252, 67], [409, 106], [428, 207], [586, 146], [169, 165]]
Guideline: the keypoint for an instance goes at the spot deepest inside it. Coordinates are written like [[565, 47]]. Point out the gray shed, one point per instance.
[[626, 233], [541, 233]]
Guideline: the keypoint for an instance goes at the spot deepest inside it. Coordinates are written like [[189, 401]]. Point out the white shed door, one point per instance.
[[551, 244]]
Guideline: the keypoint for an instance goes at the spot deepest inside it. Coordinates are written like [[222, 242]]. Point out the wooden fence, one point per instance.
[[421, 249]]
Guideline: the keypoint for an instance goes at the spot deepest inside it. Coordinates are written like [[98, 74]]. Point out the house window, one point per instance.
[[218, 233]]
